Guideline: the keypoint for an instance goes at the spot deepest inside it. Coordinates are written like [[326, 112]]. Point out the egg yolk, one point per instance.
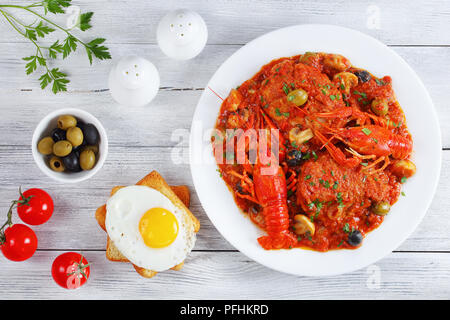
[[158, 227]]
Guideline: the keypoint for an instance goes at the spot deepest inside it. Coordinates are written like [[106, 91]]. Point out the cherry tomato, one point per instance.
[[70, 270], [20, 243], [39, 208]]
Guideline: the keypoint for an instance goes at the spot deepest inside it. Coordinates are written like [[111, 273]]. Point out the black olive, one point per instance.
[[77, 150], [355, 238], [90, 134], [239, 188], [362, 75], [294, 158], [72, 162], [58, 134], [296, 154]]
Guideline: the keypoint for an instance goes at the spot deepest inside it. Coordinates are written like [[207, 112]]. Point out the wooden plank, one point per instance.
[[128, 127], [237, 22], [73, 225], [429, 63], [218, 275]]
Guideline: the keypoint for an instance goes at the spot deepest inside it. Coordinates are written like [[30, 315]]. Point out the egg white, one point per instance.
[[124, 211]]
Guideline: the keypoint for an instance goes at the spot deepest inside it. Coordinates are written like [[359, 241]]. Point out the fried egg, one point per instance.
[[148, 229]]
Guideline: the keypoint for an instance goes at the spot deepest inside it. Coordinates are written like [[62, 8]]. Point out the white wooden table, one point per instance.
[[140, 141]]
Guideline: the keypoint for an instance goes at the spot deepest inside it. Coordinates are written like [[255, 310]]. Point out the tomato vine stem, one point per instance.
[[24, 202]]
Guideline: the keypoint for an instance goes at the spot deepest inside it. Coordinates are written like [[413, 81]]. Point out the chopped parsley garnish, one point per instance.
[[366, 131], [403, 194], [306, 156], [374, 140], [314, 155], [267, 81], [342, 86], [294, 144], [362, 94], [346, 228], [262, 99], [403, 180], [339, 200], [380, 82], [277, 112], [335, 185], [332, 97], [308, 177], [365, 164], [312, 184], [325, 183], [286, 89], [340, 243]]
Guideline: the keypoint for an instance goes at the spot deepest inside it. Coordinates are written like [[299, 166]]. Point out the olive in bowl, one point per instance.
[[59, 155], [70, 151]]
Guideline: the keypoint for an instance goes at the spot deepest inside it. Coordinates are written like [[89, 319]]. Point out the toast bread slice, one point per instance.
[[178, 195]]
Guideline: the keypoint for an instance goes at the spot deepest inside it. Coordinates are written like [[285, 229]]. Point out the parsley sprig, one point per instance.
[[42, 27]]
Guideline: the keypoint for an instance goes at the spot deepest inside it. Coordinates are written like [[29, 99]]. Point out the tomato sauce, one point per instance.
[[338, 198]]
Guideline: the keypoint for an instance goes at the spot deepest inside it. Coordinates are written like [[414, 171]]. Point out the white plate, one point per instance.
[[363, 52]]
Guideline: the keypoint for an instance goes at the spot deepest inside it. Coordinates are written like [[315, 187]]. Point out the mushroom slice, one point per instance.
[[298, 136], [303, 225]]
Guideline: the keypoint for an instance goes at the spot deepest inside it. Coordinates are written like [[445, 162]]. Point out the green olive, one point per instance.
[[45, 146], [92, 148], [62, 148], [56, 164], [66, 121], [298, 97], [380, 107], [75, 136], [403, 168], [381, 208], [87, 159]]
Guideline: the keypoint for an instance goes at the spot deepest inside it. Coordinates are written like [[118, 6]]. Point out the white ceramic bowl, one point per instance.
[[364, 52], [45, 127]]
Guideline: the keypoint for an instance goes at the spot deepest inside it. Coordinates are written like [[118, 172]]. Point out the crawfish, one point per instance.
[[271, 193], [372, 141]]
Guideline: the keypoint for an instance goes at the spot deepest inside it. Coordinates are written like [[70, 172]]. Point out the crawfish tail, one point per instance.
[[276, 217], [271, 193]]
